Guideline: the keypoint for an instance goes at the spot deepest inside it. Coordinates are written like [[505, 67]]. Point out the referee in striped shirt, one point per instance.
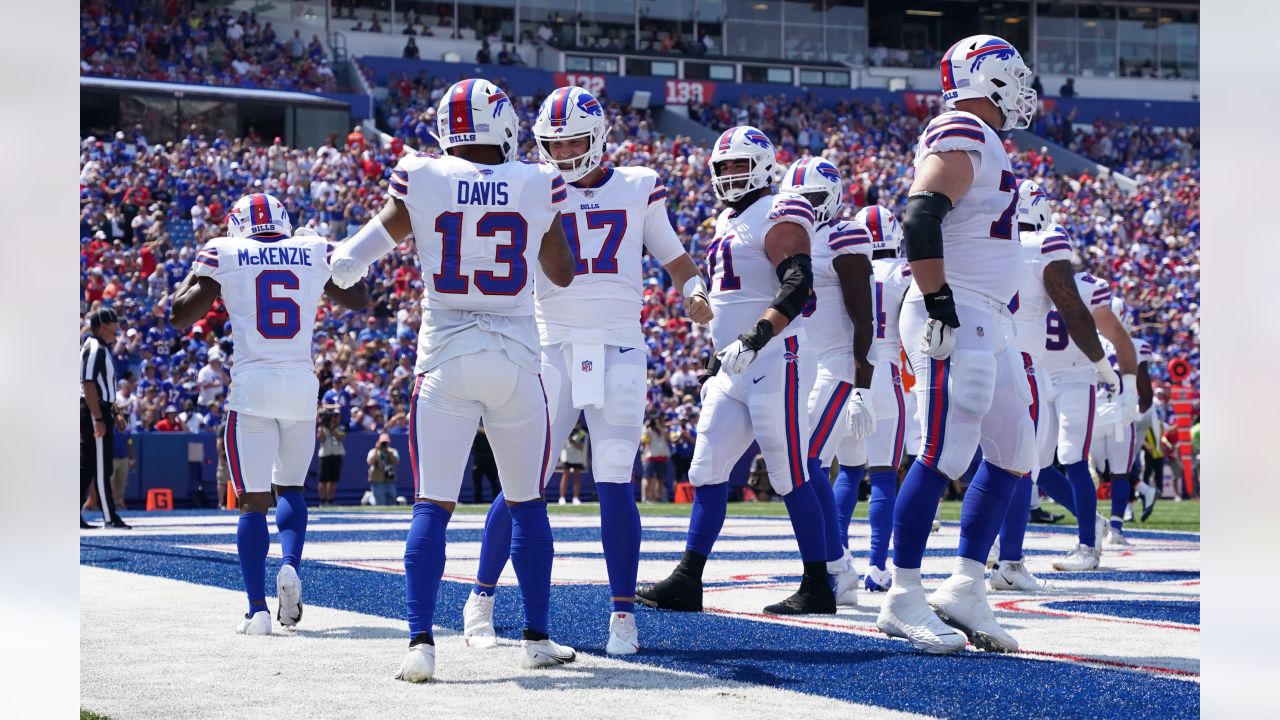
[[97, 415]]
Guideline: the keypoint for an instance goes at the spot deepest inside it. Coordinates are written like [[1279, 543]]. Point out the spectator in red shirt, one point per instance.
[[169, 423], [355, 139], [146, 262]]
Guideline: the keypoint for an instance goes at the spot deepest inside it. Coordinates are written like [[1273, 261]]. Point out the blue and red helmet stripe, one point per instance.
[[948, 78], [460, 120], [726, 139], [559, 113], [873, 224], [797, 177]]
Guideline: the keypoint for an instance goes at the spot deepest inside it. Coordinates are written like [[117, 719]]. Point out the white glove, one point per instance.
[[736, 358], [305, 231], [347, 271], [861, 414], [938, 340], [1106, 375], [1129, 398]]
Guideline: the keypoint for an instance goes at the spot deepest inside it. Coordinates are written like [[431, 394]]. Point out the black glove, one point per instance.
[[941, 306]]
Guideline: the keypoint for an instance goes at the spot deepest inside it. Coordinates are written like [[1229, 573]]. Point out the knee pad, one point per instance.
[[624, 395], [612, 460]]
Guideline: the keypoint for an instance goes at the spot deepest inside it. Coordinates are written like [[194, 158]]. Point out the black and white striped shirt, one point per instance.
[[96, 366]]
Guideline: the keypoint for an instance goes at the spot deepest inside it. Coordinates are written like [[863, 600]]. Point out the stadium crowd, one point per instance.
[[147, 208], [175, 41]]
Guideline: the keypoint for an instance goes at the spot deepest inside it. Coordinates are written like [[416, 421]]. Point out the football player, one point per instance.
[[270, 283], [593, 350], [761, 376], [480, 221], [1115, 434], [887, 443], [960, 212], [837, 322]]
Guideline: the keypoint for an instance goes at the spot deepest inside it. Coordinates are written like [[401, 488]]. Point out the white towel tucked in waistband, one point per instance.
[[587, 375]]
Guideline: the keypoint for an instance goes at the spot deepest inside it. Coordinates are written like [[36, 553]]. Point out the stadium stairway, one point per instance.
[[671, 124]]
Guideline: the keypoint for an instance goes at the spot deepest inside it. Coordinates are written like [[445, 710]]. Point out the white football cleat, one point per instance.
[[624, 637], [477, 621], [1147, 494], [257, 624], [906, 614], [419, 664], [1082, 558], [1116, 537], [1101, 526], [937, 525], [877, 580], [993, 555], [545, 653], [846, 579], [289, 591], [1015, 576], [961, 602]]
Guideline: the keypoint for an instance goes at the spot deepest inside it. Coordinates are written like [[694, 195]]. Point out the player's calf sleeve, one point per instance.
[[252, 542], [807, 522], [424, 564], [1014, 531], [845, 495], [620, 536], [532, 550], [1119, 498], [986, 503], [706, 518], [1055, 485], [884, 493], [827, 504], [495, 546], [913, 513], [1086, 501], [291, 523]]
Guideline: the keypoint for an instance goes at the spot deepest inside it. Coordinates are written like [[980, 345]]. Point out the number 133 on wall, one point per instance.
[[686, 91]]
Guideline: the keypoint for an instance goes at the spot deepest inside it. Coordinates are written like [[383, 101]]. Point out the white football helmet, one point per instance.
[[886, 233], [1122, 313], [1033, 205], [571, 112], [819, 181], [985, 66], [258, 215], [742, 143], [477, 112]]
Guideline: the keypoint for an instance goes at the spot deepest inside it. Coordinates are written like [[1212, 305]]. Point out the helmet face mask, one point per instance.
[[731, 180], [571, 113], [988, 67]]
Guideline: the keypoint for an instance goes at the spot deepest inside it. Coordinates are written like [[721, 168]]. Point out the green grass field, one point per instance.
[[1168, 515]]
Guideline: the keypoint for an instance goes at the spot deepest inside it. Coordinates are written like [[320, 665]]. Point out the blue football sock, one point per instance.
[[707, 517], [845, 495], [1014, 530], [986, 502], [884, 491], [1086, 498], [291, 523], [1119, 498], [821, 481], [913, 513], [1055, 485], [807, 522], [424, 564], [620, 536], [495, 547], [252, 542], [532, 550]]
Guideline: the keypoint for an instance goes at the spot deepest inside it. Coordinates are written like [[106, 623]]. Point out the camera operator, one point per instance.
[[383, 460], [332, 438]]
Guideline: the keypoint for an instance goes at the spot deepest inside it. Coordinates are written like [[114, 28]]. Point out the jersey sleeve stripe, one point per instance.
[[948, 118], [841, 234], [658, 194], [954, 132], [559, 196], [557, 182], [207, 261], [400, 187], [792, 212], [1054, 247], [842, 244]]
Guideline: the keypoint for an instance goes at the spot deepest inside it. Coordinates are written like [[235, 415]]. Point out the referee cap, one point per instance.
[[105, 316]]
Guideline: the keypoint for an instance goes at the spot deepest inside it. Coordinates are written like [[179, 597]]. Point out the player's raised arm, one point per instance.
[[554, 256], [378, 237], [939, 178]]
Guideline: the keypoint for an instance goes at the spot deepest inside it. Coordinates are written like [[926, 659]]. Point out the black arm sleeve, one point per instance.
[[922, 224], [796, 275]]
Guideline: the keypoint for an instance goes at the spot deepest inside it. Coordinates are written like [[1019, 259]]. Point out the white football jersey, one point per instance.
[[827, 325], [1061, 353], [1030, 304], [892, 277], [1145, 353], [743, 278], [478, 230], [271, 288], [607, 226], [980, 240]]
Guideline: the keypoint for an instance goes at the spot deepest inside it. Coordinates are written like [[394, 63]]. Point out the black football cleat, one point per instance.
[[814, 597], [87, 526], [120, 524], [1044, 517], [679, 592]]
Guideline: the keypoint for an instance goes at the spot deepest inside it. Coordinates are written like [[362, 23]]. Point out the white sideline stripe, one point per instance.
[[154, 647]]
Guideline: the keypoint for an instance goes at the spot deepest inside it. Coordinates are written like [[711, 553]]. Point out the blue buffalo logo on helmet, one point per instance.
[[589, 105], [994, 47], [757, 137], [828, 171], [496, 100]]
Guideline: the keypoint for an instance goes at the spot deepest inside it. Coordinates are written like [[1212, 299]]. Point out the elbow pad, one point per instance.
[[922, 225], [796, 275]]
